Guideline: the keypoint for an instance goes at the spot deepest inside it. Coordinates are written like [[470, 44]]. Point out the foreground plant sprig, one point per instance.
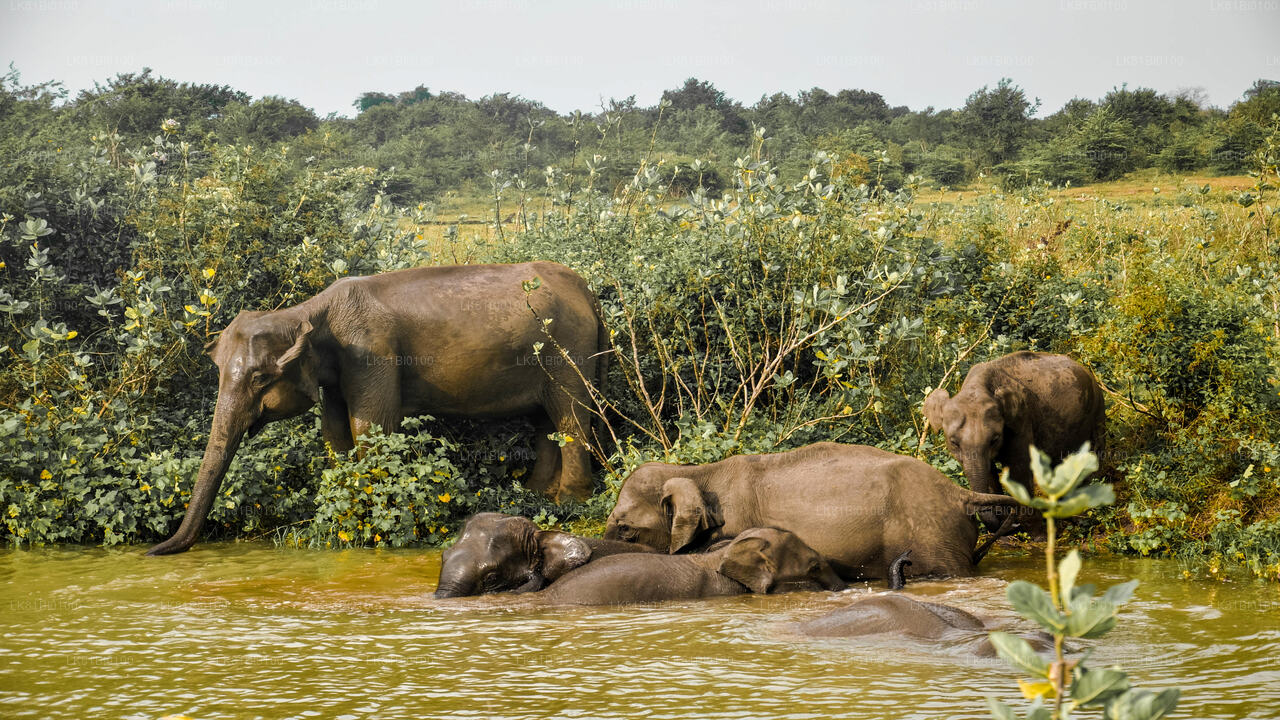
[[1069, 610]]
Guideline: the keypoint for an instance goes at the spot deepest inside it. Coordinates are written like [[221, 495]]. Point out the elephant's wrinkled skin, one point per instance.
[[454, 340], [858, 506], [498, 552], [1010, 403], [905, 616], [761, 560]]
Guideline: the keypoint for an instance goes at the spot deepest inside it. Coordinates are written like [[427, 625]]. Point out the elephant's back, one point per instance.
[[891, 613]]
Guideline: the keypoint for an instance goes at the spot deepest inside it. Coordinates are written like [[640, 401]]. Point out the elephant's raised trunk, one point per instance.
[[229, 427]]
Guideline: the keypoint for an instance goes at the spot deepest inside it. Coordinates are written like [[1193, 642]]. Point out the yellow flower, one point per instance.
[[1, 264], [46, 475], [343, 536], [444, 498], [209, 273], [368, 489], [377, 538], [72, 334]]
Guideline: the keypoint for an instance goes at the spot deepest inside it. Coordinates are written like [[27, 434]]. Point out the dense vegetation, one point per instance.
[[768, 282]]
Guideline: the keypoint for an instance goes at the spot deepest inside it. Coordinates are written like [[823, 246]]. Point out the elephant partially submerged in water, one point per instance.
[[898, 615], [455, 340], [759, 560], [498, 553], [858, 506]]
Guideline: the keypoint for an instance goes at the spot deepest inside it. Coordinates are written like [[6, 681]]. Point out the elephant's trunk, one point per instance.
[[980, 468], [229, 426], [458, 578]]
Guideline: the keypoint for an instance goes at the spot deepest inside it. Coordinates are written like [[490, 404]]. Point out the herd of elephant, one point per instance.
[[504, 340]]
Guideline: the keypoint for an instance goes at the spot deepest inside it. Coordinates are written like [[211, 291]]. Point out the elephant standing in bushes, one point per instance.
[[498, 552], [454, 340], [1008, 404], [760, 560], [858, 506]]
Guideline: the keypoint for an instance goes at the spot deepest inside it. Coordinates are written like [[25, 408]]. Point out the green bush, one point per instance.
[[762, 315]]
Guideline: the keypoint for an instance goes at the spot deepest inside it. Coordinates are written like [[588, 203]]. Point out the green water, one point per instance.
[[242, 630]]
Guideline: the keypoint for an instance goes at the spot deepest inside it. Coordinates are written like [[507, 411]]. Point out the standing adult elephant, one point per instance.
[[454, 340], [858, 506], [1008, 404]]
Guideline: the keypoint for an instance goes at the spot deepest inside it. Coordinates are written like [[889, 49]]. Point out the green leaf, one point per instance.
[[1070, 507], [1018, 653], [1016, 490], [1099, 494], [1041, 467], [1096, 686], [1142, 704], [1090, 618], [1034, 603], [1071, 472], [999, 710], [1120, 594], [1068, 569]]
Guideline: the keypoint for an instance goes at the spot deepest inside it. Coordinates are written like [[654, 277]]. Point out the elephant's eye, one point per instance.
[[261, 379]]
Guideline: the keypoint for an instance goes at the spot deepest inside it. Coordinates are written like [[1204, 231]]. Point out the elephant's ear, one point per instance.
[[749, 561], [683, 504], [211, 347], [561, 552], [933, 406], [299, 347], [1013, 404]]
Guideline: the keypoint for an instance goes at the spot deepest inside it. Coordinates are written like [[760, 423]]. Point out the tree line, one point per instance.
[[426, 143]]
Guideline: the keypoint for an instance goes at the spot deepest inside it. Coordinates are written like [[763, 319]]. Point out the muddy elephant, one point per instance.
[[1008, 404], [454, 340], [497, 552], [759, 560], [902, 616], [858, 506]]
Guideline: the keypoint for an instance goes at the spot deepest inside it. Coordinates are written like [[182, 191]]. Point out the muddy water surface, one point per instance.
[[243, 630]]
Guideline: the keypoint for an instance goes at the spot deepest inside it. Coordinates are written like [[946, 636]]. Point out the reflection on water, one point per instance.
[[250, 631]]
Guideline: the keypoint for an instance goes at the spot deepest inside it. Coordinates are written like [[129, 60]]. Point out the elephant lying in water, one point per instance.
[[899, 615], [454, 340], [858, 506], [498, 552], [760, 560], [1011, 403]]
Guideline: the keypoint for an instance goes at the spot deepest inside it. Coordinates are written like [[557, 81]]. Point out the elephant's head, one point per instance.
[[267, 371], [975, 425], [674, 514], [771, 560], [498, 552]]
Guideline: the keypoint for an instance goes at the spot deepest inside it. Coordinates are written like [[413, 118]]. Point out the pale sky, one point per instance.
[[574, 54]]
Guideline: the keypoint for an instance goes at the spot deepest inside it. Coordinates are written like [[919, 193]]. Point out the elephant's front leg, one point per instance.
[[573, 421], [546, 463], [335, 420], [372, 394]]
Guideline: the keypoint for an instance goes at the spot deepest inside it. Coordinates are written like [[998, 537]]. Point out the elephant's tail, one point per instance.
[[897, 580]]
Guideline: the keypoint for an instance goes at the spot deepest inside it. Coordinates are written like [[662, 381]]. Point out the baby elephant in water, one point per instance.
[[900, 615], [499, 552], [761, 560]]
